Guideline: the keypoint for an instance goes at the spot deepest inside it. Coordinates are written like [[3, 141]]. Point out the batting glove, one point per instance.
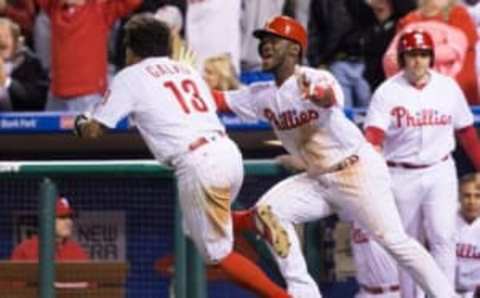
[[80, 120]]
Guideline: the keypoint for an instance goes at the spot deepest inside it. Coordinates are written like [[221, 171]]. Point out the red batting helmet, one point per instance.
[[285, 27], [63, 208], [415, 40]]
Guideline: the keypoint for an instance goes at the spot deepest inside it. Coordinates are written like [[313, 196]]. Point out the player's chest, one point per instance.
[[418, 112], [287, 111]]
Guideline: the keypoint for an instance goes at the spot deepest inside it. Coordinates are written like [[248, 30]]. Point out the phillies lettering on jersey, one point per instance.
[[290, 119], [427, 117], [468, 254], [468, 251]]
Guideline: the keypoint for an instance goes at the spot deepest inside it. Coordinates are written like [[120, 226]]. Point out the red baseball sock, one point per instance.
[[242, 271], [243, 220]]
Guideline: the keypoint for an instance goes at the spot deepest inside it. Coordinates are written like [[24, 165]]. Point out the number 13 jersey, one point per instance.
[[168, 101]]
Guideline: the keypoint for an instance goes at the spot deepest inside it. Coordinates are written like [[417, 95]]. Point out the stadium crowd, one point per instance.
[[353, 39]]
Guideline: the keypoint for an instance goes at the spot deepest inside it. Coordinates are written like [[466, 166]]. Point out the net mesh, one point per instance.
[[127, 218]]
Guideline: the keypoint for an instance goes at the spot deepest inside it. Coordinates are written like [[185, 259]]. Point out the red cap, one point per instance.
[[285, 27], [63, 208]]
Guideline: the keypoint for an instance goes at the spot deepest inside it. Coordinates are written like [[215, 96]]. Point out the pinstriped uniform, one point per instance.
[[174, 111], [419, 126], [375, 269], [323, 138]]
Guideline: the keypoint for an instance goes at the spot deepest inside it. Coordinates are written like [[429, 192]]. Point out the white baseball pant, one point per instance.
[[208, 180], [364, 191], [427, 201]]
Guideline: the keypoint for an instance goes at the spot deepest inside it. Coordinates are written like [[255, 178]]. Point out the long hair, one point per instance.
[[222, 65]]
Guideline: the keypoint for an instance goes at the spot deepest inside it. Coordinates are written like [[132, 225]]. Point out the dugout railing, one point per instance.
[[189, 278]]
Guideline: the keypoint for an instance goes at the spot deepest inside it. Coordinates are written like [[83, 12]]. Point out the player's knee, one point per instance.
[[215, 255]]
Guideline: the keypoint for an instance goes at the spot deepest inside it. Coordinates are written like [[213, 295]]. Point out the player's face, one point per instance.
[[273, 51], [211, 76], [417, 63], [64, 227], [470, 200]]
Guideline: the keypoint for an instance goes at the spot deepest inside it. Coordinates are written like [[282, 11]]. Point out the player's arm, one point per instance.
[[470, 142], [291, 162], [320, 93], [375, 136], [88, 128], [221, 102]]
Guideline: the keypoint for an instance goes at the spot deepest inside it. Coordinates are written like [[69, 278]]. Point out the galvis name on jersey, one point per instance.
[[468, 251], [425, 117], [290, 119]]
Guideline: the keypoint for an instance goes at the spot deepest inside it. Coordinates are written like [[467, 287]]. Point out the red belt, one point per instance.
[[380, 290], [204, 140], [406, 165]]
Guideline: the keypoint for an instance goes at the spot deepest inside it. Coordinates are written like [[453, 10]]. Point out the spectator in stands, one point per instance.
[[335, 36], [42, 39], [219, 73], [455, 37], [379, 35], [172, 16], [21, 12], [23, 81], [254, 15], [65, 248], [80, 31], [212, 28]]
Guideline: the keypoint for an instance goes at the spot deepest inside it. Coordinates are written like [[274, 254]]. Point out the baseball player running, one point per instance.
[[375, 270], [468, 241], [414, 117], [176, 115], [343, 171]]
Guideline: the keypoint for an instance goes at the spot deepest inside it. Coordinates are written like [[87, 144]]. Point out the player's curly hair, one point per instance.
[[146, 36]]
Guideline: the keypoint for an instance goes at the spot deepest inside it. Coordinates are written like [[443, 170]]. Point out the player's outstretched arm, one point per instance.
[[321, 93], [88, 128]]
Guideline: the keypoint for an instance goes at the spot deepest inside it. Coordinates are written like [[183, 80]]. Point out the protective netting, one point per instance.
[[127, 218]]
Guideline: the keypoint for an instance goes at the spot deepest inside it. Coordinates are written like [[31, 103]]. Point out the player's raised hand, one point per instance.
[[185, 55], [320, 93]]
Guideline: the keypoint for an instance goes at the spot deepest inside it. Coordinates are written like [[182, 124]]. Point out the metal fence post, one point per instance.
[[180, 252], [48, 195], [197, 287]]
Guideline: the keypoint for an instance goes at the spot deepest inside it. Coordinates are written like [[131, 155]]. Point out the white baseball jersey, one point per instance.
[[419, 124], [468, 254], [375, 268], [295, 119], [168, 101]]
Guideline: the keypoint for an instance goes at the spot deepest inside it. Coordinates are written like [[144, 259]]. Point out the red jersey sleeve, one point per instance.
[[220, 101], [375, 135], [470, 142]]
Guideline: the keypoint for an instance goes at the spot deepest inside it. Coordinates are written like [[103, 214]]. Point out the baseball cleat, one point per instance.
[[269, 228]]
